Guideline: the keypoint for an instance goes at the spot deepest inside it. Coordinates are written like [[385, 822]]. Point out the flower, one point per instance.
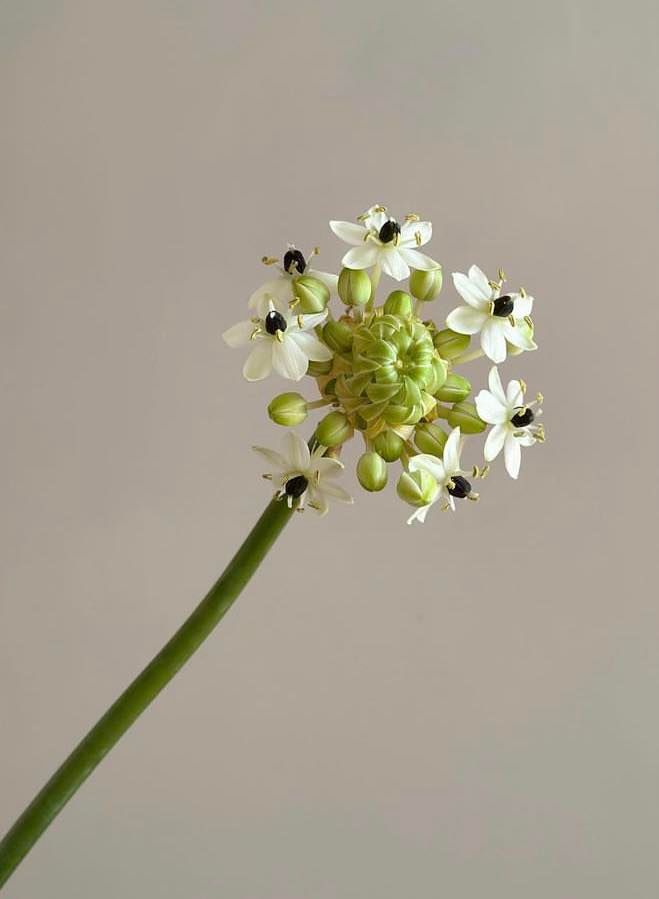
[[282, 288], [304, 476], [512, 419], [280, 340], [378, 239], [498, 318], [447, 473]]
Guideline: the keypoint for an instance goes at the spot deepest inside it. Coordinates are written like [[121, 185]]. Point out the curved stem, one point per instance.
[[143, 690]]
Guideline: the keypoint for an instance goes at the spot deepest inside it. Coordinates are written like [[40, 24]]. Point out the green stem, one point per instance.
[[143, 690]]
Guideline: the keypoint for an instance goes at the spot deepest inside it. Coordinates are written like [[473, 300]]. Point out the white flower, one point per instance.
[[280, 340], [379, 239], [282, 288], [495, 316], [448, 474], [512, 419], [305, 476]]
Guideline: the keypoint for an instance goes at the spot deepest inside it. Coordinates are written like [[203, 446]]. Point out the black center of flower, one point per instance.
[[503, 306], [294, 259], [523, 418], [296, 486], [274, 321], [461, 487], [389, 231]]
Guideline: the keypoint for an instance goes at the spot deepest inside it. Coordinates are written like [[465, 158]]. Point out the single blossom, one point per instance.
[[446, 471], [308, 477], [281, 290], [280, 339], [379, 239], [497, 317], [513, 421]]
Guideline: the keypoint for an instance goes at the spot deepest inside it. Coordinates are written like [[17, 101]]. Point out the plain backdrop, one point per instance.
[[464, 709]]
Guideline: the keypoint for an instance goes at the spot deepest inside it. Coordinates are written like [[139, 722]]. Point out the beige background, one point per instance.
[[468, 709]]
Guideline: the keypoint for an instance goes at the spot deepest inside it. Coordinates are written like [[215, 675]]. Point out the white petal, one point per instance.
[[362, 257], [512, 453], [310, 321], [239, 335], [479, 278], [288, 359], [430, 464], [518, 336], [327, 467], [419, 514], [494, 442], [523, 305], [409, 231], [375, 217], [276, 293], [330, 281], [349, 232], [336, 492], [527, 439], [451, 454], [311, 347], [275, 459], [417, 259], [490, 408], [514, 394], [258, 364], [394, 265], [318, 501], [470, 292], [466, 320], [296, 451], [495, 385], [493, 341]]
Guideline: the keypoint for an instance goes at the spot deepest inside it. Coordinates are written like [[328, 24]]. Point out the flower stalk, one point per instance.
[[143, 690]]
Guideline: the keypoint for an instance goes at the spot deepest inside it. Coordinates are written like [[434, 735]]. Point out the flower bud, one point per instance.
[[398, 303], [334, 429], [372, 472], [454, 389], [464, 416], [338, 336], [288, 409], [418, 488], [425, 285], [312, 294], [389, 445], [354, 286], [449, 344], [439, 375], [430, 439], [318, 369]]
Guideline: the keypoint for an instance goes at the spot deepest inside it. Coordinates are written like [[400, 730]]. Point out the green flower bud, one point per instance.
[[454, 390], [398, 303], [318, 369], [288, 409], [439, 375], [372, 472], [418, 488], [312, 294], [449, 344], [465, 416], [334, 429], [338, 336], [430, 438], [425, 285], [354, 286], [389, 445]]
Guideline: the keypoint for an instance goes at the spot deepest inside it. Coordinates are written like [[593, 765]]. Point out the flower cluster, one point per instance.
[[387, 371]]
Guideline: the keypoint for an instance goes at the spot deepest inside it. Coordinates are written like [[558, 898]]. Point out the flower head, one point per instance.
[[379, 239], [451, 481], [499, 318], [304, 476], [513, 420]]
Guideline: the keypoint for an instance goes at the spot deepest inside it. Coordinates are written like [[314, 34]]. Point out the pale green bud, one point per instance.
[[318, 369], [334, 429], [430, 438], [464, 416], [454, 390], [418, 488], [439, 375], [449, 344], [338, 336], [425, 285], [288, 409], [312, 294], [389, 445], [354, 286], [398, 303], [372, 472]]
